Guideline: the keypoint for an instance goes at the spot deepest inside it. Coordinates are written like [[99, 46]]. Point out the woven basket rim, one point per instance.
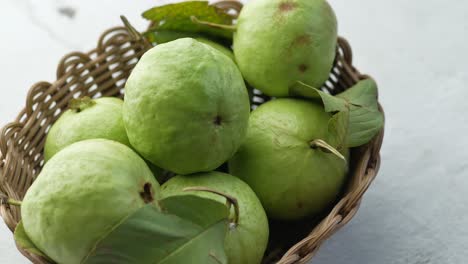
[[346, 208]]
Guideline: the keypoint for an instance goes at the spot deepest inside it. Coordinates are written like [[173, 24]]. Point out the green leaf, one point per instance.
[[190, 229], [364, 93], [206, 247], [338, 127], [188, 207], [178, 17], [331, 103], [365, 119], [164, 36], [364, 124], [360, 101], [23, 241]]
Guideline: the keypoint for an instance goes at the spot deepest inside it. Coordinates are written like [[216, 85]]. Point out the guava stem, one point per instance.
[[14, 202], [230, 200], [135, 34], [214, 25], [5, 200], [81, 104], [319, 143], [131, 30]]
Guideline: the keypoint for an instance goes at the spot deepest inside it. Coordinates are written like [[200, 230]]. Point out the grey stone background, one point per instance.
[[416, 211]]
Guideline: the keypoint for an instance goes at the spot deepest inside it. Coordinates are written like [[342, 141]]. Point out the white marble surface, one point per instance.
[[417, 210]]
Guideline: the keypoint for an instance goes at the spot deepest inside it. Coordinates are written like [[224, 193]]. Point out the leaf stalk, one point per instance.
[[213, 25], [323, 145], [230, 200]]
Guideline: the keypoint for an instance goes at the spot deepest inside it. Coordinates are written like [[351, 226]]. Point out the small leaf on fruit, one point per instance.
[[178, 17], [190, 207], [365, 119], [190, 229], [331, 103], [364, 93], [364, 124], [360, 101], [24, 242], [338, 127]]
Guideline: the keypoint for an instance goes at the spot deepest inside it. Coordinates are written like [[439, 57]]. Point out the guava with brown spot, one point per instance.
[[81, 194], [87, 119], [286, 159], [280, 42], [186, 107], [247, 237]]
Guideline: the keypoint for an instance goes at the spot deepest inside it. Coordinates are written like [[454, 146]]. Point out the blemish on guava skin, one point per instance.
[[287, 6], [302, 40], [300, 205], [303, 68], [217, 120], [147, 193]]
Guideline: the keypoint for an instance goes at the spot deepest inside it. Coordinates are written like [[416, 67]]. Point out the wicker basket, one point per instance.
[[103, 72]]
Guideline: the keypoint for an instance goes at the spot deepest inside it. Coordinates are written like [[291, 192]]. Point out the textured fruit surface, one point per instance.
[[280, 42], [217, 46], [103, 119], [160, 37], [292, 179], [246, 243], [81, 194], [186, 107]]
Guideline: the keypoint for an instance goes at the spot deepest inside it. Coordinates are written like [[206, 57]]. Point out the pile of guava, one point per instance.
[[189, 167]]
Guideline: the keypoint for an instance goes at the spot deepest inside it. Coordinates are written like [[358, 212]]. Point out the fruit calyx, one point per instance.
[[213, 25], [217, 120], [230, 201], [324, 146], [147, 193], [81, 104]]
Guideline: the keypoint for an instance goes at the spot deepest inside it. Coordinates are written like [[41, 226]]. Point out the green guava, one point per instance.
[[81, 194], [292, 176], [160, 37], [218, 46], [280, 42], [186, 107], [246, 241], [87, 119]]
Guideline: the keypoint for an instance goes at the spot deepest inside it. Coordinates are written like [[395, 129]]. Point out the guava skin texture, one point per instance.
[[280, 42], [292, 179], [81, 194], [168, 36], [101, 120], [186, 107], [246, 243], [218, 46]]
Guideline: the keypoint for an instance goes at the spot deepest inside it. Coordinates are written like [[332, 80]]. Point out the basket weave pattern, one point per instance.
[[103, 72]]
